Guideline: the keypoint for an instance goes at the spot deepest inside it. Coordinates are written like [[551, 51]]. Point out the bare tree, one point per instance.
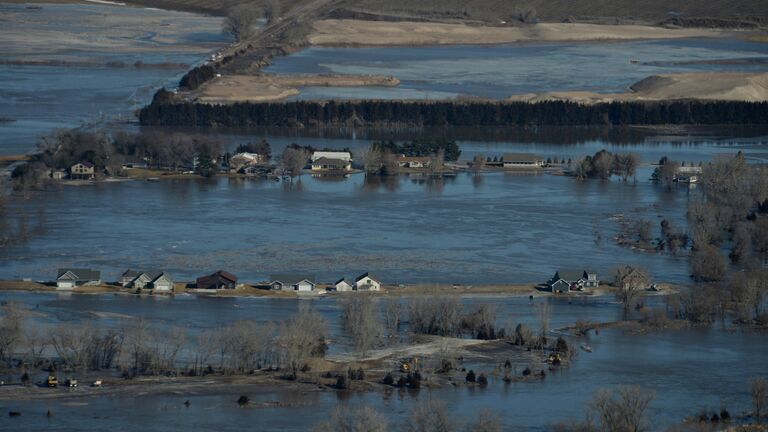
[[708, 264], [294, 160], [626, 165], [667, 173], [392, 317], [430, 416], [240, 21], [361, 320], [630, 284], [300, 338], [580, 168], [84, 347], [486, 421], [758, 389], [621, 410], [750, 292], [544, 313], [11, 330], [365, 419], [435, 314], [481, 323], [36, 343], [602, 165], [272, 11]]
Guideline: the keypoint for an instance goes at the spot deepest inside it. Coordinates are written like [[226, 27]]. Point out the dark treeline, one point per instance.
[[167, 112], [421, 148]]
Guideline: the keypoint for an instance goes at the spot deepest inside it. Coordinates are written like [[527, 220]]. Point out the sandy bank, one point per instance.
[[357, 32], [262, 88], [722, 86]]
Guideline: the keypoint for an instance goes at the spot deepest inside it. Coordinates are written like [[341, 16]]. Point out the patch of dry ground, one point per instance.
[[262, 88], [727, 86], [358, 32]]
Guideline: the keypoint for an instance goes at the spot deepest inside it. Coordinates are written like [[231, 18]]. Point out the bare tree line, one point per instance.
[[142, 348], [427, 416]]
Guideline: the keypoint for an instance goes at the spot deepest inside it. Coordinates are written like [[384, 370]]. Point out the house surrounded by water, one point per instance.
[[155, 280], [293, 282], [69, 278], [565, 281], [218, 280]]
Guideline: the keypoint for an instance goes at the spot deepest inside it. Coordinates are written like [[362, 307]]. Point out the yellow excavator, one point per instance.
[[53, 381], [409, 366]]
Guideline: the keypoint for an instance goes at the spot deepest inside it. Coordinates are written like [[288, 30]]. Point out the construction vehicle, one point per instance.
[[52, 381], [71, 382], [409, 366]]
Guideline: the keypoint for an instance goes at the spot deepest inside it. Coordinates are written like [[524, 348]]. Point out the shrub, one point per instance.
[[401, 382], [341, 382], [725, 415], [470, 376], [414, 381], [243, 400], [25, 378], [561, 345], [388, 379], [360, 374], [482, 380]]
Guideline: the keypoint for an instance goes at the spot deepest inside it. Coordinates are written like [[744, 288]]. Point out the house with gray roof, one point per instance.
[[155, 280], [293, 282], [69, 278], [573, 280]]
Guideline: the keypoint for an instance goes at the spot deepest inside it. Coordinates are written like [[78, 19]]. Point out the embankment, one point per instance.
[[166, 111], [347, 32], [266, 87]]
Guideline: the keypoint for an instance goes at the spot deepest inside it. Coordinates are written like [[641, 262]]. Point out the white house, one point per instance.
[[521, 160], [67, 279], [301, 283], [344, 156], [367, 282], [244, 159], [342, 285], [326, 164]]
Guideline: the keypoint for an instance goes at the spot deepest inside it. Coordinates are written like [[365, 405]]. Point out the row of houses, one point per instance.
[[563, 281], [161, 281]]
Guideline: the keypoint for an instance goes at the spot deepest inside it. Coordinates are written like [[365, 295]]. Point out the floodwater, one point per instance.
[[86, 86], [688, 370], [499, 71], [495, 228]]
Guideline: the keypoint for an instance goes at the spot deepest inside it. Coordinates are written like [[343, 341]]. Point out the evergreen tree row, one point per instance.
[[165, 111]]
